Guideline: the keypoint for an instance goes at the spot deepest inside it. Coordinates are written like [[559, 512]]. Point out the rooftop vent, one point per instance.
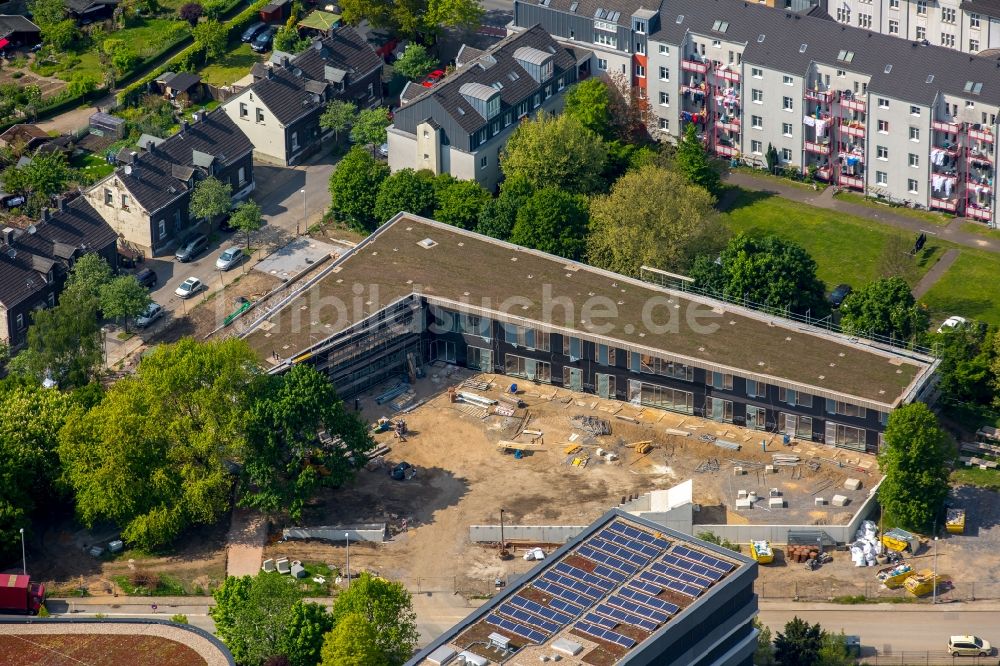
[[427, 243], [760, 38], [888, 68], [803, 47], [680, 19], [930, 78], [573, 6]]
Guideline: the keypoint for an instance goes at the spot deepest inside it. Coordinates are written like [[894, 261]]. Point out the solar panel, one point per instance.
[[605, 634], [580, 574], [626, 618], [564, 605], [581, 588], [632, 607], [528, 619], [704, 558], [600, 621], [644, 537], [515, 628], [676, 586], [631, 544], [647, 587], [653, 602], [612, 549], [608, 572], [598, 556], [700, 569], [540, 610], [681, 575], [559, 591]]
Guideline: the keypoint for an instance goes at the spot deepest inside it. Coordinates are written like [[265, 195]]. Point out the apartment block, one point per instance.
[[903, 120]]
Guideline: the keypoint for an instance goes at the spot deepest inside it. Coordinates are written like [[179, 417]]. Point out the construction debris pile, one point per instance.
[[867, 546], [591, 424]]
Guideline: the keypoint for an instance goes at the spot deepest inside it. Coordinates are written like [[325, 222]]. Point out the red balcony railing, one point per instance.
[[727, 151], [945, 126], [978, 213], [853, 104], [824, 173], [727, 74], [944, 204], [823, 96], [732, 125], [856, 182], [818, 148], [694, 66], [981, 135], [854, 130]]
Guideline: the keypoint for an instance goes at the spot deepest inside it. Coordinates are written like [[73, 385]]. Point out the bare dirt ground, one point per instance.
[[49, 85], [463, 480]]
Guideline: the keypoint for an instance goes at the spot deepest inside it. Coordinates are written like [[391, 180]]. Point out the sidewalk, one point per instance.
[[787, 605], [825, 199]]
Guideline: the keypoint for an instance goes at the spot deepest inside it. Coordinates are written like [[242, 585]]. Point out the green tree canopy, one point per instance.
[[253, 615], [370, 127], [799, 644], [211, 198], [338, 116], [308, 624], [553, 221], [285, 461], [885, 307], [692, 161], [425, 18], [89, 275], [247, 218], [354, 188], [353, 642], [652, 217], [498, 215], [833, 651], [589, 102], [124, 298], [459, 201], [41, 179], [555, 151], [415, 63], [764, 654], [45, 13], [64, 342], [406, 190], [769, 271], [914, 460], [387, 608], [211, 36]]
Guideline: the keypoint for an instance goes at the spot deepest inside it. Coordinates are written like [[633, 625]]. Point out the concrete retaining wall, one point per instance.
[[377, 532], [531, 533]]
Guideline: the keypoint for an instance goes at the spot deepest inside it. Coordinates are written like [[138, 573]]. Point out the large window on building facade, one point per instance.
[[756, 417], [479, 358], [718, 409], [660, 397], [845, 436], [657, 366], [528, 368], [795, 425], [522, 336]]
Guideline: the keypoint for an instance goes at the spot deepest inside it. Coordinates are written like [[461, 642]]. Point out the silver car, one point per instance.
[[189, 287], [152, 312], [229, 258]]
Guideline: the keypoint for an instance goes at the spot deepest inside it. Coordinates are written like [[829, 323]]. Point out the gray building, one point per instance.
[[902, 120], [461, 124], [624, 591]]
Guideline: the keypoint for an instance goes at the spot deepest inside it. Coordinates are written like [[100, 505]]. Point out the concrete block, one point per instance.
[[744, 503], [820, 501], [776, 503], [839, 500], [769, 469], [738, 471], [852, 484], [741, 494]]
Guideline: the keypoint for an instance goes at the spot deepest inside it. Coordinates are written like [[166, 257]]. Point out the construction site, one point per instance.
[[479, 454]]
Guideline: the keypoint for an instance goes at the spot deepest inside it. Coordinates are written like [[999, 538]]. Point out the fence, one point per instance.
[[917, 658], [527, 533], [834, 590]]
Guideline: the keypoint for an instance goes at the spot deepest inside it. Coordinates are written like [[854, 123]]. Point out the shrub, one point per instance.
[[179, 618], [145, 579]]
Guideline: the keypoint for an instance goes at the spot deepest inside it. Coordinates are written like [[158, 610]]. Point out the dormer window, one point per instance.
[[639, 26]]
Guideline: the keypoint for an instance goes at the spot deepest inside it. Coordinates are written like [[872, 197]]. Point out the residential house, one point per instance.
[[146, 199], [90, 11], [24, 137], [280, 111], [461, 124], [18, 32], [34, 261]]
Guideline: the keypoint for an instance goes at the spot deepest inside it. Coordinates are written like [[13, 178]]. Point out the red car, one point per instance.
[[432, 78]]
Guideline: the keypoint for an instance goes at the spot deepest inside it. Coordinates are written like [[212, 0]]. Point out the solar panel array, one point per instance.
[[670, 584], [681, 575], [516, 628], [626, 618], [540, 610], [648, 600], [704, 558], [632, 607], [694, 567], [605, 634]]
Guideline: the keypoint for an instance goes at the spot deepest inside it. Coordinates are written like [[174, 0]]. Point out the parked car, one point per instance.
[[839, 293], [147, 278], [262, 42], [230, 257], [952, 322], [192, 248], [432, 78], [252, 32], [969, 646], [153, 312], [189, 287]]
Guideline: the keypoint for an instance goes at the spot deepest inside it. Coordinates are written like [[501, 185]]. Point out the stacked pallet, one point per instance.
[[801, 553]]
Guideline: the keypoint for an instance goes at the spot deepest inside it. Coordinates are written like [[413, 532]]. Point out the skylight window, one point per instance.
[[720, 26], [760, 38], [888, 68], [930, 78], [573, 7], [845, 56], [680, 19], [803, 47]]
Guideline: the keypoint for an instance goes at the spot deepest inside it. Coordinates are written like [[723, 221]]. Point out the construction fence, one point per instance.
[[832, 590], [917, 658]]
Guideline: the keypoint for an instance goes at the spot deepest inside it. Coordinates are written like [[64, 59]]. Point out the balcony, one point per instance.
[[978, 213], [727, 74], [981, 135], [732, 125], [726, 151], [944, 204], [824, 174], [694, 66], [853, 104], [945, 126], [854, 130], [818, 148], [855, 182], [980, 155], [822, 96]]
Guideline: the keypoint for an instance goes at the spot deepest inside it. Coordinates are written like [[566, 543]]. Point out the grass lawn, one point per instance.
[[968, 288], [846, 248], [765, 175], [980, 229], [973, 476], [232, 66], [931, 216], [92, 167]]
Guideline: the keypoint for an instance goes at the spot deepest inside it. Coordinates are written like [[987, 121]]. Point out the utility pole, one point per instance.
[[24, 559], [347, 538]]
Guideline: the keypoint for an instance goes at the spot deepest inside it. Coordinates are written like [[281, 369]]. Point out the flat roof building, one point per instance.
[[624, 591]]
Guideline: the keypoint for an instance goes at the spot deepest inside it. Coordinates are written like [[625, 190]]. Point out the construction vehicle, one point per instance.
[[955, 521], [893, 577], [762, 552], [19, 595], [921, 584], [901, 540]]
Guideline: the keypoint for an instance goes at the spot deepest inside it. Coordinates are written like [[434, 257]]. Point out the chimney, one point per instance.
[[150, 146], [46, 215], [270, 73], [184, 125], [132, 157], [285, 62], [61, 203], [8, 235]]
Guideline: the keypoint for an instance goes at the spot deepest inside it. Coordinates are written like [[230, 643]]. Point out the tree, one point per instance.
[[406, 190], [387, 608], [463, 14], [459, 201], [212, 36], [120, 54], [45, 13], [768, 271], [89, 275], [652, 217], [497, 216], [152, 455], [589, 102], [81, 84], [555, 151], [124, 298], [799, 644], [44, 177], [307, 626], [885, 307], [285, 461], [771, 158], [61, 35], [833, 651], [553, 221], [415, 63], [210, 199], [965, 373], [64, 342], [370, 127], [764, 654], [338, 116], [914, 460], [691, 160], [353, 642], [354, 187], [289, 40], [247, 218], [191, 12], [252, 614]]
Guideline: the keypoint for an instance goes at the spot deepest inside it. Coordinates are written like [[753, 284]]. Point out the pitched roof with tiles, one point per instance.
[[80, 6], [610, 11], [775, 39], [23, 132], [987, 7], [344, 49], [11, 23], [496, 68]]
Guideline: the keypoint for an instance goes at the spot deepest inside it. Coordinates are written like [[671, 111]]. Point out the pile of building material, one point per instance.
[[477, 384], [867, 546], [710, 465], [393, 393], [801, 554], [476, 399], [534, 554], [784, 460], [503, 410], [726, 444], [591, 424]]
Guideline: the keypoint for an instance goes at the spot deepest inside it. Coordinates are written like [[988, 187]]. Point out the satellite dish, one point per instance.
[[12, 253], [32, 229], [128, 170]]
